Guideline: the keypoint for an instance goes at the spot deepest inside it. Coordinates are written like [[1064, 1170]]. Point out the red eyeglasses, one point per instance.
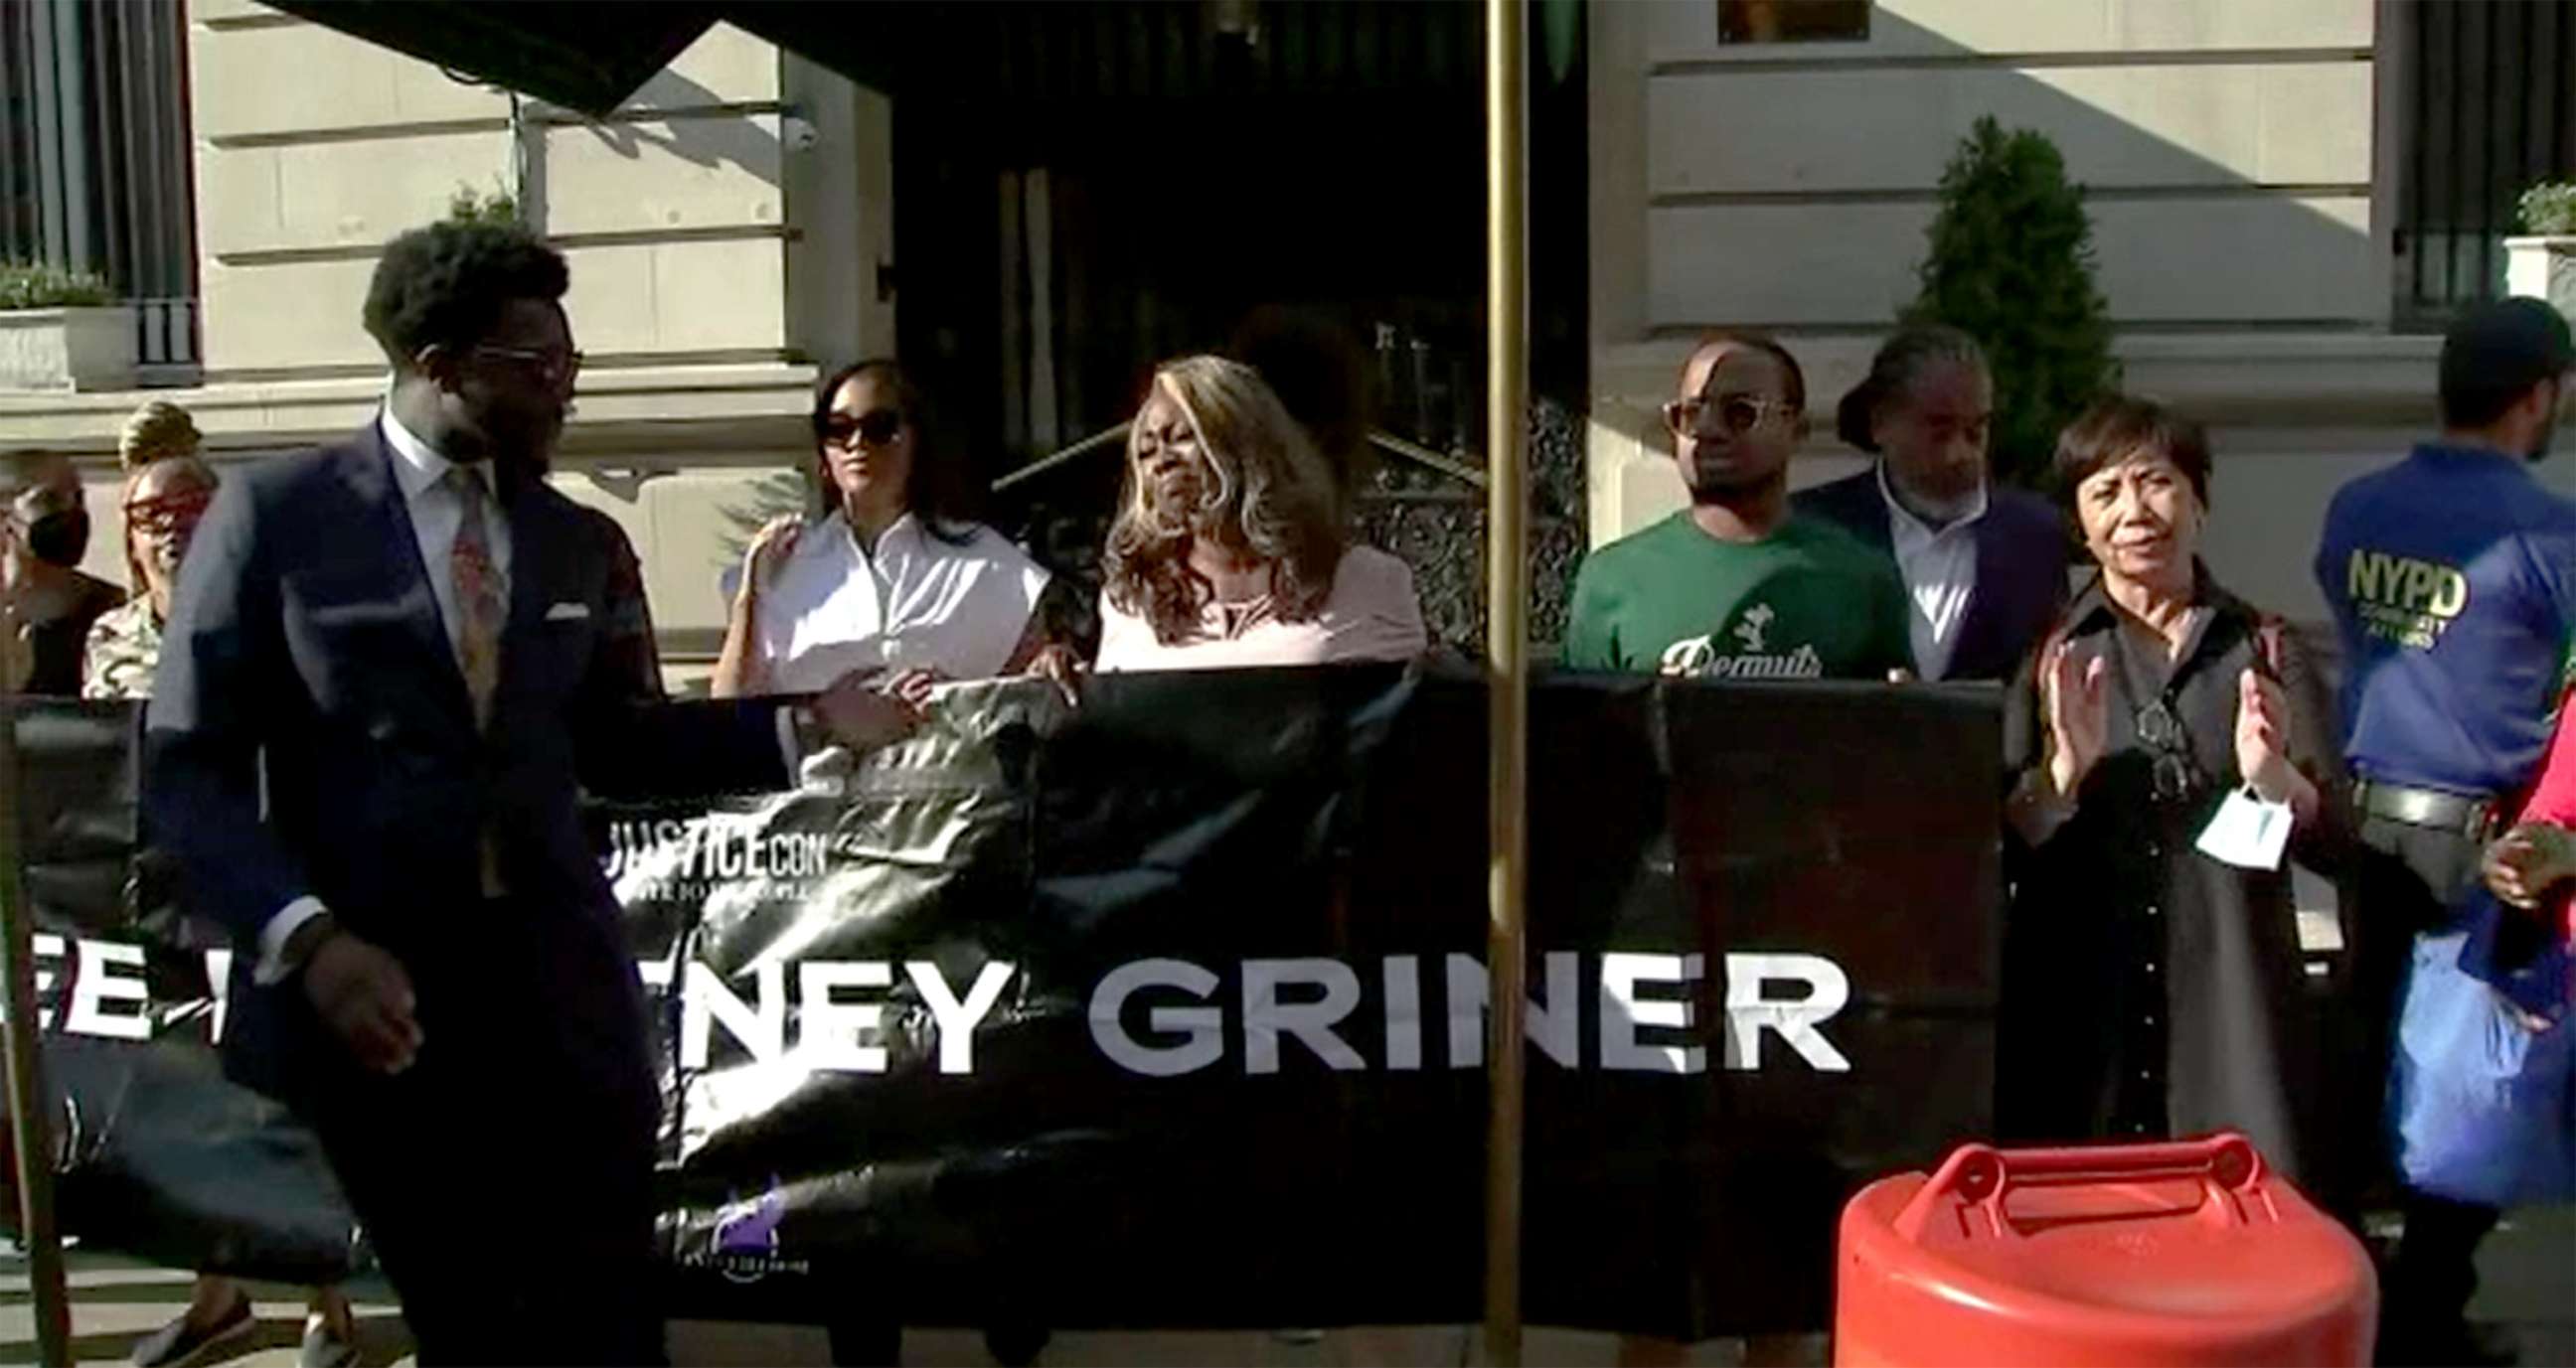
[[169, 513]]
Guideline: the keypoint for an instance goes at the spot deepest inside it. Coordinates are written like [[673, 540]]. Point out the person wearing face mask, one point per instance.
[[2153, 982], [1229, 548], [44, 532], [1734, 587], [2452, 575], [1984, 568], [895, 576], [165, 496]]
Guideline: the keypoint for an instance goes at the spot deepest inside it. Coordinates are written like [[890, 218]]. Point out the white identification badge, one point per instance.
[[2248, 832]]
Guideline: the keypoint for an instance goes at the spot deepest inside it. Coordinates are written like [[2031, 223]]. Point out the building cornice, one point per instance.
[[625, 412], [2238, 378]]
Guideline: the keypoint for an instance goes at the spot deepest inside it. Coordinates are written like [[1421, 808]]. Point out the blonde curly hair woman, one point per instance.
[[157, 430], [1229, 549]]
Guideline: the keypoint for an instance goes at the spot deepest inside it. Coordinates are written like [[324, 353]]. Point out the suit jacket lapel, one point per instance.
[[537, 540], [1978, 627], [368, 471], [1877, 525]]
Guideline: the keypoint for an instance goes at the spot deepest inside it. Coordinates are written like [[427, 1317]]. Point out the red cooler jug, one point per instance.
[[2184, 1253]]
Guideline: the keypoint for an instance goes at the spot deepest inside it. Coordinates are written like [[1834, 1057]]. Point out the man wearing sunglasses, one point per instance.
[[389, 673], [1733, 587]]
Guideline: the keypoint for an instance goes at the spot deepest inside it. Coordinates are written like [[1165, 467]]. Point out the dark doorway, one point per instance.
[[1085, 189]]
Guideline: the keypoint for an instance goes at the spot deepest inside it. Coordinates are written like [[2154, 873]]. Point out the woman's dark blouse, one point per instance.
[[2150, 990]]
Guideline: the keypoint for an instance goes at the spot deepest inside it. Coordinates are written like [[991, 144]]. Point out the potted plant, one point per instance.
[[2010, 263], [2543, 264], [62, 330]]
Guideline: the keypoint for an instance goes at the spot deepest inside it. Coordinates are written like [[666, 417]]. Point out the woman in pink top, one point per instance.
[[1229, 549], [2531, 866]]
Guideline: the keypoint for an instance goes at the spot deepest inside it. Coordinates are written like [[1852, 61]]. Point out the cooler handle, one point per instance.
[[2226, 1164]]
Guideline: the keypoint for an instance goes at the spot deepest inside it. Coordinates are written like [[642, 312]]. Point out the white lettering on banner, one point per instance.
[[1749, 1013], [840, 1009], [1550, 1024], [1403, 1012], [957, 1020], [1309, 999], [95, 982], [1266, 1018], [827, 1030], [46, 947], [671, 856], [1623, 1011], [219, 974], [705, 1000], [827, 1023], [1204, 1026]]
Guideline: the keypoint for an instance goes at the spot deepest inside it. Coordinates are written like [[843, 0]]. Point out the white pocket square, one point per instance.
[[568, 612]]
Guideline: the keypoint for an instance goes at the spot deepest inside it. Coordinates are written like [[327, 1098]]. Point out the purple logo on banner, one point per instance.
[[751, 1227]]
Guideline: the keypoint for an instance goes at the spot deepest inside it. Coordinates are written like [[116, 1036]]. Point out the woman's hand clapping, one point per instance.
[[2078, 715]]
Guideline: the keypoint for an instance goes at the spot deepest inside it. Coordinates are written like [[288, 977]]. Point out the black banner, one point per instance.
[[1169, 1010]]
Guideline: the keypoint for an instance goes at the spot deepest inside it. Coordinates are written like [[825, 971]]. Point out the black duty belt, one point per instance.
[[2458, 813]]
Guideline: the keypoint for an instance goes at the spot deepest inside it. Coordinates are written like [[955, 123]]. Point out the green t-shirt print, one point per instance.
[[1808, 602]]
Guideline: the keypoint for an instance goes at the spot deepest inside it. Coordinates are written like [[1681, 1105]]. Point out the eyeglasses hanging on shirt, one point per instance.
[[2176, 777]]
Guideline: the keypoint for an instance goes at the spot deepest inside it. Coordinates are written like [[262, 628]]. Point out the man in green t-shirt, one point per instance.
[[1732, 587]]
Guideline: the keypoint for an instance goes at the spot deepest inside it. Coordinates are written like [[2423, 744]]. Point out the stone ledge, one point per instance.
[[639, 411], [2343, 379]]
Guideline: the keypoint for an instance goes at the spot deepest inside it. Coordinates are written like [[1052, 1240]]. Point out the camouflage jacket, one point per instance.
[[124, 649]]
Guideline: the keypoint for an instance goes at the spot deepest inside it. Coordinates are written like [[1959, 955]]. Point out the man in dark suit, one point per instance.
[[1984, 568], [391, 666]]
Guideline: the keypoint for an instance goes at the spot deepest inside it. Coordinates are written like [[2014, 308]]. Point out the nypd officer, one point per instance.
[[2453, 579]]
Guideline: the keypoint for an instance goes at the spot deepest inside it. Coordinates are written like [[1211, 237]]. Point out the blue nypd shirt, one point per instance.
[[2453, 578]]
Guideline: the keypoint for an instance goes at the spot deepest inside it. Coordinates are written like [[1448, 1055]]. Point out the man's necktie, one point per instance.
[[480, 606], [480, 603]]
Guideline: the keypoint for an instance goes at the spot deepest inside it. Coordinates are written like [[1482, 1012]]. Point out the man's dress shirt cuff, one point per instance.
[[272, 967]]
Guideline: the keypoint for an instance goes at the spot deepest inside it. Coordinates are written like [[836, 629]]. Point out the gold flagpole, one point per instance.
[[33, 1153], [1506, 655]]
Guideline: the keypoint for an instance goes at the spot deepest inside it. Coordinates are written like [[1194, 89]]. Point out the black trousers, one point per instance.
[[505, 1179], [2435, 1271], [2409, 880]]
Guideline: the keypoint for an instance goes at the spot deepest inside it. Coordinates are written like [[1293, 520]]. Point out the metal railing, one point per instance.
[[2489, 109], [95, 169]]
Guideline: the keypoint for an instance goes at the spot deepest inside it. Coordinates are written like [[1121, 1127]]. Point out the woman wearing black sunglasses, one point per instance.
[[2153, 988], [892, 574]]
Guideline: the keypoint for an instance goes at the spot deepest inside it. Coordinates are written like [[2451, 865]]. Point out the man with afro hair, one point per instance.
[[392, 667]]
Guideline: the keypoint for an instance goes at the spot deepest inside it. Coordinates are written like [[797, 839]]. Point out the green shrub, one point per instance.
[[469, 206], [2011, 264], [2549, 209], [34, 285]]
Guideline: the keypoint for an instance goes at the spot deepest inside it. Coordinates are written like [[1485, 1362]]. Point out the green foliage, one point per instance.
[[470, 206], [2549, 209], [25, 285], [2011, 264]]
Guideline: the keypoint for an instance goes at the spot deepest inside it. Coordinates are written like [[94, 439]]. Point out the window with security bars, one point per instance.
[[2489, 110], [1792, 21], [94, 159]]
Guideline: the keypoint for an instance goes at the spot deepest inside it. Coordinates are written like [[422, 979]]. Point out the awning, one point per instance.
[[589, 55], [584, 56]]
